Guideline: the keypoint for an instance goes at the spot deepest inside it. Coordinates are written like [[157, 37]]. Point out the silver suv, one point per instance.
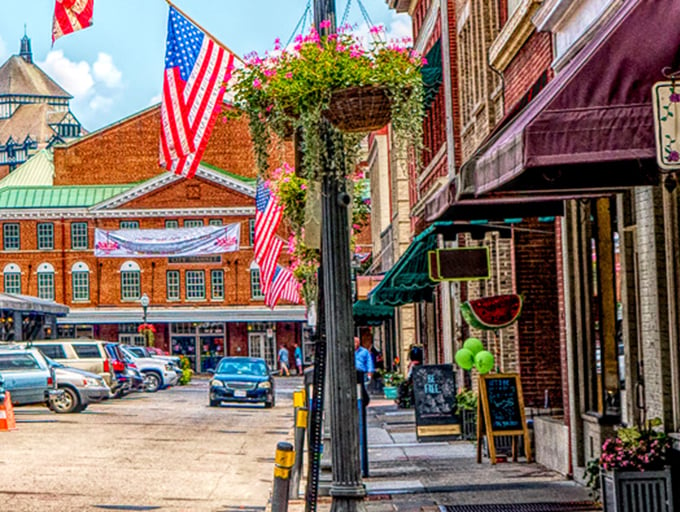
[[80, 388]]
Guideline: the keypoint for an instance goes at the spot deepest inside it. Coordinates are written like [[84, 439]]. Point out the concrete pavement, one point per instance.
[[408, 476]]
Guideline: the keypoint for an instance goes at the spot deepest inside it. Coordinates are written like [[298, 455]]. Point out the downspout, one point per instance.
[[63, 260]]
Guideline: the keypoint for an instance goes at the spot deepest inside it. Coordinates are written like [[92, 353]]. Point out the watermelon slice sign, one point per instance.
[[491, 313]]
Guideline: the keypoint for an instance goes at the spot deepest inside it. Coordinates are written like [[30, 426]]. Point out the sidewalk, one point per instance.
[[408, 476]]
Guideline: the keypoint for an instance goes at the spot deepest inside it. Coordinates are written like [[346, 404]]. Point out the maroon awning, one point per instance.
[[591, 128]]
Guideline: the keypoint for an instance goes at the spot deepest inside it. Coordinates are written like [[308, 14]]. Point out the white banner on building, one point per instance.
[[147, 243]]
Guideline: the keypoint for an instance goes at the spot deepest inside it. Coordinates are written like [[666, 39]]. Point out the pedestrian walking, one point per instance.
[[297, 354], [283, 361], [364, 366]]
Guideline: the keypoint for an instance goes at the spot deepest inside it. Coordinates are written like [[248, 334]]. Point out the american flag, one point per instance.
[[283, 286], [268, 215], [71, 15], [196, 68], [268, 263]]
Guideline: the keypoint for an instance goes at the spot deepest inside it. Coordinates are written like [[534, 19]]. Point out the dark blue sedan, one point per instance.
[[242, 380]]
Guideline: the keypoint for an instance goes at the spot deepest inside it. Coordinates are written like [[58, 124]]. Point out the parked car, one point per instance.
[[128, 376], [156, 354], [158, 374], [27, 376], [242, 380], [80, 388], [82, 353]]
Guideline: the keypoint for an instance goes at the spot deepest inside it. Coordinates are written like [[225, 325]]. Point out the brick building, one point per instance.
[[203, 307]]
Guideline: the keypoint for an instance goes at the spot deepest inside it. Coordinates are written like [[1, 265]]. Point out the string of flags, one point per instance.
[[196, 68]]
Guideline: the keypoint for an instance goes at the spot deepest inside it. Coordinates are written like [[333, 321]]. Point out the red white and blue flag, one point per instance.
[[196, 69], [268, 264], [268, 215], [71, 15], [283, 286]]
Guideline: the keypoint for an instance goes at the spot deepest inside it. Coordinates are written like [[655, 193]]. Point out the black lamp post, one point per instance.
[[144, 301], [347, 489]]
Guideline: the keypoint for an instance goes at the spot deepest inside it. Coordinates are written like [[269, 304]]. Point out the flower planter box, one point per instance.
[[359, 109], [390, 392], [637, 491]]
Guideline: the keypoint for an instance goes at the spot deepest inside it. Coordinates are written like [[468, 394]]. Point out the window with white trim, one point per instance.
[[171, 224], [217, 284], [130, 281], [193, 223], [172, 284], [215, 222], [251, 232], [255, 282], [46, 281], [129, 224], [80, 282], [79, 239], [11, 240], [12, 278], [45, 236], [194, 284]]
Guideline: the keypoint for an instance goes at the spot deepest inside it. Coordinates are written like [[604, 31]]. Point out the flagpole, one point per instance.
[[217, 41]]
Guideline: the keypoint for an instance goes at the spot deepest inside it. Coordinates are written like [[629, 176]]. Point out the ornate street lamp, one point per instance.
[[144, 301]]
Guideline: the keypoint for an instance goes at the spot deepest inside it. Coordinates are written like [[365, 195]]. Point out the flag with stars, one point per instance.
[[196, 69], [268, 215], [283, 286], [71, 15]]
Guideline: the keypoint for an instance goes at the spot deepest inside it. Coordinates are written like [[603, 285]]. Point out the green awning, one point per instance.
[[432, 74], [408, 280], [366, 313]]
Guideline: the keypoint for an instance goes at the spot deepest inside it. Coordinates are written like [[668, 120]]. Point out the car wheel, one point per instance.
[[67, 403], [215, 403], [269, 405], [152, 382]]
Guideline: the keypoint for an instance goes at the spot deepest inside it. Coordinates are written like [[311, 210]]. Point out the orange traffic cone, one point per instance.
[[7, 420]]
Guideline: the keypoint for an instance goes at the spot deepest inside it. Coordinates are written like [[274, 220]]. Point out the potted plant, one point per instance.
[[631, 473], [466, 401], [149, 332], [335, 77], [391, 384]]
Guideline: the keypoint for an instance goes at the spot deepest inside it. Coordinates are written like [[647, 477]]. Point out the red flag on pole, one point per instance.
[[71, 15]]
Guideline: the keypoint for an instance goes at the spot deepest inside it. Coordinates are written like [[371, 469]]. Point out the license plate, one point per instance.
[[239, 393]]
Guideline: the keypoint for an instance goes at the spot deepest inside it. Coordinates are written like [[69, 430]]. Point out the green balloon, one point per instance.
[[465, 359], [484, 362], [474, 345]]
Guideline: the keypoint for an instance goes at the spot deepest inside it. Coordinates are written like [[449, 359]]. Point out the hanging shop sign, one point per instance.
[[459, 264], [152, 243], [666, 103]]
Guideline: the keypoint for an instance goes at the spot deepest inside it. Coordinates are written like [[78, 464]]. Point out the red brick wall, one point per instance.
[[237, 339], [527, 66], [538, 327]]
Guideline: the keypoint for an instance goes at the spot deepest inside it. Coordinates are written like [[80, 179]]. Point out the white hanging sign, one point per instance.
[[666, 103]]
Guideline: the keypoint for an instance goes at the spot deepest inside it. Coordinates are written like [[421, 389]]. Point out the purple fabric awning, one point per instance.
[[591, 128]]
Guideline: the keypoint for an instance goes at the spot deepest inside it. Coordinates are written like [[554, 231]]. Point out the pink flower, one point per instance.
[[277, 43], [325, 24], [377, 29], [257, 83], [269, 72], [303, 186], [289, 75], [423, 61]]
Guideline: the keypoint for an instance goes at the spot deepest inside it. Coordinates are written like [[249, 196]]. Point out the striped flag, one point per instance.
[[71, 15], [268, 263], [268, 215], [196, 68], [283, 286]]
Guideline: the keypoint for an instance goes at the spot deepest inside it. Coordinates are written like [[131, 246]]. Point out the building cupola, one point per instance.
[[26, 53]]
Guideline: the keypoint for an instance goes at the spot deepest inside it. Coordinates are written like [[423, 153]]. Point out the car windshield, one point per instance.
[[235, 367], [138, 351], [18, 362]]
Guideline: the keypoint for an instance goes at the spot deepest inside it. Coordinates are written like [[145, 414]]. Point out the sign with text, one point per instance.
[[459, 264], [500, 412], [434, 389]]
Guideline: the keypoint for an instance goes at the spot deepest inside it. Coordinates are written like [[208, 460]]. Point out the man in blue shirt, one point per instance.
[[364, 366]]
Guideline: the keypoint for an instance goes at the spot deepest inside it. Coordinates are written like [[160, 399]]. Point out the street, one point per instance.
[[166, 450]]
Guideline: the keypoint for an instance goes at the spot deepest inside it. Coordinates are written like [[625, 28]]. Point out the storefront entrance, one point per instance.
[[261, 345], [203, 344]]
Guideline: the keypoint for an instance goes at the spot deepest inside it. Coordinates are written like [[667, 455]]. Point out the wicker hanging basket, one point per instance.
[[359, 109]]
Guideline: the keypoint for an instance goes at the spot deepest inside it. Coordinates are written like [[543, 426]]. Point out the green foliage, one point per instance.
[[466, 399], [592, 477], [393, 379], [187, 372]]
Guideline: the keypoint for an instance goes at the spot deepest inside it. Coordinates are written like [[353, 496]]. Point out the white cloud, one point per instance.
[[155, 99], [106, 71], [399, 27], [75, 77], [3, 50], [101, 103]]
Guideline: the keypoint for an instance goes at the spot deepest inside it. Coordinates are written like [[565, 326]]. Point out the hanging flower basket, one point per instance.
[[359, 109]]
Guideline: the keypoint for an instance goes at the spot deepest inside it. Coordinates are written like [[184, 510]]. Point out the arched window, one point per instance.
[[12, 278], [130, 281], [255, 282], [80, 281], [46, 281]]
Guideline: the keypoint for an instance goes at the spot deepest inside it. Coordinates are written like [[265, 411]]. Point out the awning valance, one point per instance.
[[366, 313], [591, 127]]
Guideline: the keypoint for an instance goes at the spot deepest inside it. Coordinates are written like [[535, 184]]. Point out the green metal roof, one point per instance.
[[58, 197], [36, 171], [243, 179]]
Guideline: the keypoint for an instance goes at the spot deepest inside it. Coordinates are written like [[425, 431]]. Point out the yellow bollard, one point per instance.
[[283, 462]]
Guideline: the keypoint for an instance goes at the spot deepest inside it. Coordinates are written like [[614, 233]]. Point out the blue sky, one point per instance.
[[115, 68]]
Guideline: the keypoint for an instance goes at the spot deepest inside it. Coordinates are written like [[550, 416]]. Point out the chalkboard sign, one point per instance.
[[500, 412], [434, 389], [503, 398]]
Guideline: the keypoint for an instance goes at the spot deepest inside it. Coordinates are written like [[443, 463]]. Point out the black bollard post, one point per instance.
[[283, 462], [300, 432]]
